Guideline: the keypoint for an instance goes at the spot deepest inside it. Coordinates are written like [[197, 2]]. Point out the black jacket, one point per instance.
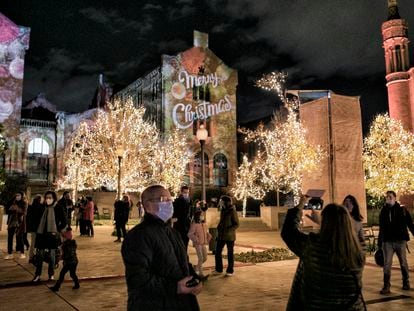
[[155, 260], [229, 222], [183, 213], [318, 284], [67, 205], [121, 213], [69, 252], [34, 214], [51, 241], [394, 221]]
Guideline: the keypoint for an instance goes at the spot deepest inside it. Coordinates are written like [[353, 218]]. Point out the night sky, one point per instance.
[[322, 44]]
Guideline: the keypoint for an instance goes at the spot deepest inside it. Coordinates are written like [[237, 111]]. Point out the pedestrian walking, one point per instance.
[[328, 276], [79, 209], [70, 260], [16, 210], [157, 271], [34, 214], [52, 222], [121, 215], [88, 216], [200, 237], [393, 237], [182, 214], [226, 235]]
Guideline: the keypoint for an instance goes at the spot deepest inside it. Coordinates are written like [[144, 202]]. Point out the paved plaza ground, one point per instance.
[[262, 286]]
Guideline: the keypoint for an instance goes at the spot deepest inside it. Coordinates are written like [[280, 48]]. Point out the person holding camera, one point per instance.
[[157, 271], [329, 272], [393, 237]]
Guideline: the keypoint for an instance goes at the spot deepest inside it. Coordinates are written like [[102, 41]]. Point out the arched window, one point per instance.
[[197, 168], [38, 146], [220, 170], [37, 160]]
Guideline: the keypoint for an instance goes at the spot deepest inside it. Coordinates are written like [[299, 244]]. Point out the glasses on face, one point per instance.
[[160, 199]]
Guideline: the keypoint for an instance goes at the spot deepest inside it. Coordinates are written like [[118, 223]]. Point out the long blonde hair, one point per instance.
[[338, 234]]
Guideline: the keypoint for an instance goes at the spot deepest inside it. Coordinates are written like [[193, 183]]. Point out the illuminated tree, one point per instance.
[[92, 160], [388, 157], [171, 159], [80, 167], [286, 155], [247, 184]]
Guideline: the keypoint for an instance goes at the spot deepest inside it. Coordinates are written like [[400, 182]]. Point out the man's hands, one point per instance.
[[183, 289]]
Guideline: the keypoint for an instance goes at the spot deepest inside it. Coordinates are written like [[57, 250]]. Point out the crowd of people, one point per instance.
[[159, 275]]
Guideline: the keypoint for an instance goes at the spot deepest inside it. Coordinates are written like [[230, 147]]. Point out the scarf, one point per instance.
[[48, 220]]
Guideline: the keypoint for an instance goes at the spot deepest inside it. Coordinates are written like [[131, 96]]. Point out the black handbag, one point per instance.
[[379, 257]]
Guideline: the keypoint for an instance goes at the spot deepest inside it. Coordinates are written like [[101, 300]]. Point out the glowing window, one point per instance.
[[38, 146]]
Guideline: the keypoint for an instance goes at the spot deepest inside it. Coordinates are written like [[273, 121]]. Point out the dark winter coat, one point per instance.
[[121, 213], [229, 222], [51, 241], [183, 213], [16, 211], [69, 252], [318, 284], [394, 221], [155, 260], [67, 205], [34, 214]]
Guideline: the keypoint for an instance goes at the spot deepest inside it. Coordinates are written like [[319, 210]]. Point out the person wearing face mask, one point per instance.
[[52, 222], [226, 235], [183, 214], [393, 237], [157, 271], [16, 224]]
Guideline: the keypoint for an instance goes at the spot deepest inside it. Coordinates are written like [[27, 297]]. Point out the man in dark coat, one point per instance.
[[393, 237], [67, 204], [156, 264], [121, 215], [182, 214]]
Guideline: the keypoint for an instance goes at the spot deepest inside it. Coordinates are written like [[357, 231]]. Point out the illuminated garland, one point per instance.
[[388, 157]]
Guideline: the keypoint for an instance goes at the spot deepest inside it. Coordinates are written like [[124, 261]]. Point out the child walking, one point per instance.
[[70, 260], [200, 237]]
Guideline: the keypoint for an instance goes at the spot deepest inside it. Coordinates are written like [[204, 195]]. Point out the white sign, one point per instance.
[[201, 112]]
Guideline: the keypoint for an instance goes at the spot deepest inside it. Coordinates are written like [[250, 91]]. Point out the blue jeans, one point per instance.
[[400, 248]]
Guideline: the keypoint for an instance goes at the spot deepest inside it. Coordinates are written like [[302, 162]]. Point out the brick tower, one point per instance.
[[399, 75]]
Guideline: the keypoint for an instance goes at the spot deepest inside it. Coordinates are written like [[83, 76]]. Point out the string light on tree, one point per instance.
[[247, 184], [388, 157]]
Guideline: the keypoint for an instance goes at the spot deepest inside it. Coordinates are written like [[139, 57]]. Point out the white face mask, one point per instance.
[[165, 210], [49, 201]]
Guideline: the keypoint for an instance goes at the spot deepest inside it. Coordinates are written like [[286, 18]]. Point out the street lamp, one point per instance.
[[120, 154], [202, 135]]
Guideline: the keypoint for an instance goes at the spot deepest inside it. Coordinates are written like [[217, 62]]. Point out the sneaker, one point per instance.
[[9, 256], [118, 240], [76, 286], [54, 288], [22, 256], [36, 279], [51, 278], [385, 291], [229, 273]]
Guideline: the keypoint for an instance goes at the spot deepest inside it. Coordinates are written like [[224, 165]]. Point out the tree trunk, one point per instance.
[[244, 206]]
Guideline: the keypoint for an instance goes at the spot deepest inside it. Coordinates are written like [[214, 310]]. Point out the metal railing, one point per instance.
[[37, 123]]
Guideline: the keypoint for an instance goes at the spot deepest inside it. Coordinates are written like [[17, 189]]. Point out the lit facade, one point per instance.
[[188, 89]]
